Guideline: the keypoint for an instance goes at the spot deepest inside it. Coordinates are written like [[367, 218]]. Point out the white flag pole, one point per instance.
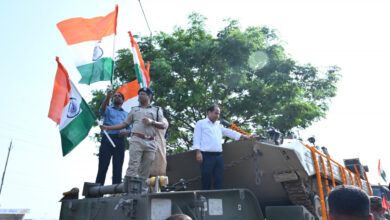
[[108, 137], [113, 68]]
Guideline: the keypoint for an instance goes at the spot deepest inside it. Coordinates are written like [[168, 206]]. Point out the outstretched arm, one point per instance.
[[114, 127]]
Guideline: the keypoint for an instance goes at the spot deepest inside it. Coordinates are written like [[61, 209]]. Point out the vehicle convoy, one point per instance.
[[262, 180]]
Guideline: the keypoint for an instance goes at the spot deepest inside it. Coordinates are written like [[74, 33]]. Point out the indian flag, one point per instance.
[[130, 91], [381, 171], [139, 65], [92, 42], [70, 111]]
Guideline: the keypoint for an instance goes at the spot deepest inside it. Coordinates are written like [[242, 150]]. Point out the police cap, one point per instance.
[[148, 91]]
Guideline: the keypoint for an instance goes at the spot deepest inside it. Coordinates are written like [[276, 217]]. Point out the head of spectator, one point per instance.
[[348, 203], [179, 217], [376, 206]]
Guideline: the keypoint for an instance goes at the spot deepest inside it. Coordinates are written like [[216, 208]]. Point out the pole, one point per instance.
[[5, 168], [147, 23], [113, 69]]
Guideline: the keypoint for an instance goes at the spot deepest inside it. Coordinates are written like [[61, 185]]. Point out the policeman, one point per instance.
[[145, 120]]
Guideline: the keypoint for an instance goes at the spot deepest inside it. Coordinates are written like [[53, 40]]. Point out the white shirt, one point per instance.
[[208, 136]]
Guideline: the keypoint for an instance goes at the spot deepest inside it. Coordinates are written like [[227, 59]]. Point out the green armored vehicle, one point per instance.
[[262, 180]]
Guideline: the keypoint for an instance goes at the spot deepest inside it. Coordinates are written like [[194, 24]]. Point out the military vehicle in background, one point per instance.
[[262, 179], [381, 191]]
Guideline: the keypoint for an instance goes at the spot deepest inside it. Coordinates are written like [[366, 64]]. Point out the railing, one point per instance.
[[343, 175]]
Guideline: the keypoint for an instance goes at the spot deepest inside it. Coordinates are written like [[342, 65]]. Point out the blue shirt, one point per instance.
[[113, 116]]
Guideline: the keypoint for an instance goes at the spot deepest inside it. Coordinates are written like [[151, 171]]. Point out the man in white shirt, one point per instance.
[[208, 145]]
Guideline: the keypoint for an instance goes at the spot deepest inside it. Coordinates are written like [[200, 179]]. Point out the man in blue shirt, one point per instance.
[[112, 115]]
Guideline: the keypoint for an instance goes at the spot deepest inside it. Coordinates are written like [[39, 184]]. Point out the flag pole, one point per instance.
[[114, 44], [113, 69], [5, 168]]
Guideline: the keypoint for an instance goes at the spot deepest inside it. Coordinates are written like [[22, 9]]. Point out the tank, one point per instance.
[[262, 180], [278, 174]]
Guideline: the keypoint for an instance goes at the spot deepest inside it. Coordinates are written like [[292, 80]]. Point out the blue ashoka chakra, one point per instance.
[[97, 52], [74, 108]]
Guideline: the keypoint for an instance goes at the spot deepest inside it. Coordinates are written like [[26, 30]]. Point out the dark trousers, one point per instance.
[[105, 152], [212, 169]]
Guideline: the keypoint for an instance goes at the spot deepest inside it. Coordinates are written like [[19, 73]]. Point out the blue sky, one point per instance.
[[351, 34]]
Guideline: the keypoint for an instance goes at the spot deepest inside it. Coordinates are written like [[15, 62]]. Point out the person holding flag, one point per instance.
[[145, 120], [112, 115]]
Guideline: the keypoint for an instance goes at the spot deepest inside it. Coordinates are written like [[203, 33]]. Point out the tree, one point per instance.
[[247, 73]]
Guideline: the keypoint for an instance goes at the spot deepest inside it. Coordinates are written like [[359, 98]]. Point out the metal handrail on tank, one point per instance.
[[331, 171], [343, 171], [358, 176], [323, 208], [325, 174], [368, 183]]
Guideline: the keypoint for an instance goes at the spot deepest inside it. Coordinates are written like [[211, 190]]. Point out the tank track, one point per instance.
[[298, 195]]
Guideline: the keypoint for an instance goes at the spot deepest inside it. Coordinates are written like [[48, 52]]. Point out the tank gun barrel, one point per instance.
[[132, 185], [96, 190]]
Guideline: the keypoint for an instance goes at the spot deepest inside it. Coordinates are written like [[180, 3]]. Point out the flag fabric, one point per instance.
[[130, 91], [70, 111], [385, 204], [92, 42], [141, 72], [381, 171]]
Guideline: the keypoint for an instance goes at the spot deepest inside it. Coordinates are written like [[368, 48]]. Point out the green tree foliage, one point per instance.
[[247, 73]]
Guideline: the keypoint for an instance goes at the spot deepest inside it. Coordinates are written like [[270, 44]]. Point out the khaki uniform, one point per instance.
[[159, 165], [142, 151]]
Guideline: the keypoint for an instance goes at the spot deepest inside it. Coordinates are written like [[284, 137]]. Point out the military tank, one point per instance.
[[291, 173], [262, 180]]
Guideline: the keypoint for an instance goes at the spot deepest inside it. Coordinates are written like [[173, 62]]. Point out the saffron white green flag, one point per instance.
[[141, 72], [92, 42], [130, 92], [70, 111], [382, 172]]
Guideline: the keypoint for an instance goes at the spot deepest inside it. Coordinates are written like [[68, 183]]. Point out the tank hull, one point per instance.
[[263, 168], [208, 205]]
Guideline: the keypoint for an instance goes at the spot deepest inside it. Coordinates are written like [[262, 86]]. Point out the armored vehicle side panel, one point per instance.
[[208, 205]]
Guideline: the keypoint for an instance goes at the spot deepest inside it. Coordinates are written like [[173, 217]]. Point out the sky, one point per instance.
[[353, 35]]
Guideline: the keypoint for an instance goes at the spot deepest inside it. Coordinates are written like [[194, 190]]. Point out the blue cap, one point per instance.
[[148, 91]]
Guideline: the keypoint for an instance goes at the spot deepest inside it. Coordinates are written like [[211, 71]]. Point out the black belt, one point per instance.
[[211, 153]]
